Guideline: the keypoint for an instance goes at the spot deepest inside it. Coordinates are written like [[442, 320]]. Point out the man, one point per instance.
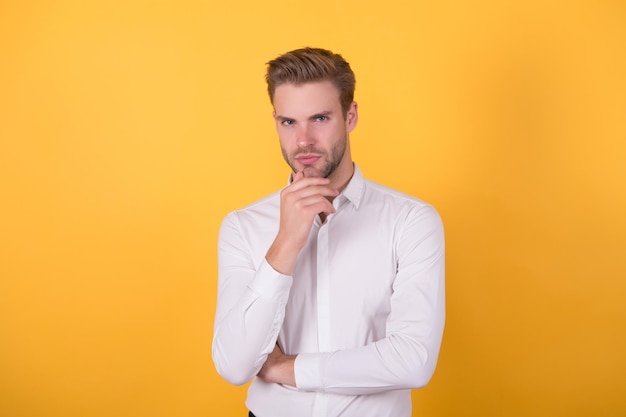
[[331, 291]]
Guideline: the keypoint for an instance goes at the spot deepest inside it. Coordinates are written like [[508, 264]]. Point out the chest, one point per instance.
[[345, 274]]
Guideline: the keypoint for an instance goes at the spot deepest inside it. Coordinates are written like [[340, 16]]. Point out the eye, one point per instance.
[[286, 122], [321, 118]]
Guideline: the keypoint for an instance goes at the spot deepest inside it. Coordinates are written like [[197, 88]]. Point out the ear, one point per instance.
[[274, 114], [352, 116]]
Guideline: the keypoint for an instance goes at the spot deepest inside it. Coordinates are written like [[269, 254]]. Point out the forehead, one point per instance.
[[306, 99]]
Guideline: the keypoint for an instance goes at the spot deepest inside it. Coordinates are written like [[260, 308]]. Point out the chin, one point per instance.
[[311, 172]]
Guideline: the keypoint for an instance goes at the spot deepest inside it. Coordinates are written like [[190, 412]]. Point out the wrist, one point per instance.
[[282, 256], [287, 370]]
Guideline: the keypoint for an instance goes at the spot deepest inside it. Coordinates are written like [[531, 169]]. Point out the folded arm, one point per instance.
[[406, 357], [250, 307]]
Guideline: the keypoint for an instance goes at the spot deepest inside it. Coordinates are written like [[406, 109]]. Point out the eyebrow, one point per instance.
[[312, 117], [283, 118], [324, 113]]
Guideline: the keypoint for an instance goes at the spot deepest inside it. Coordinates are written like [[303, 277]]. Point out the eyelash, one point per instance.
[[317, 119]]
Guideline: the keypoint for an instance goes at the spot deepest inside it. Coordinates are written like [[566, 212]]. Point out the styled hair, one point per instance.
[[311, 65]]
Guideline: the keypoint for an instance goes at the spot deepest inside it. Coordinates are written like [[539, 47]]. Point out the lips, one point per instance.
[[307, 159]]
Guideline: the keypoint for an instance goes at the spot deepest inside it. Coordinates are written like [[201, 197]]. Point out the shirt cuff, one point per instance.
[[269, 283], [308, 371]]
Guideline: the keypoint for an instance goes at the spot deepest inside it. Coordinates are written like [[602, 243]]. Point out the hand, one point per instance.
[[300, 202], [279, 368]]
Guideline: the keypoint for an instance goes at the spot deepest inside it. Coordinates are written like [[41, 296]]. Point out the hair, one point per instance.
[[311, 65]]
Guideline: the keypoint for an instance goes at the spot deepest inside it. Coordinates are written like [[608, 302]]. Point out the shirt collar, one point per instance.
[[354, 190]]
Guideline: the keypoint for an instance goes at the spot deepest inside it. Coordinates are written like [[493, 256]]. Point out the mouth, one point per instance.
[[307, 159]]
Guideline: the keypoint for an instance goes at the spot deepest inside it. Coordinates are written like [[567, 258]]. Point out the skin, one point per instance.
[[314, 139]]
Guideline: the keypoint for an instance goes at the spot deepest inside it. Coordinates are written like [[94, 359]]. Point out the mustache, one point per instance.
[[309, 150]]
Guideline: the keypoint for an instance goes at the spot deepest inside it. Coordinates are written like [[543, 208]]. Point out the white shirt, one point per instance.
[[364, 310]]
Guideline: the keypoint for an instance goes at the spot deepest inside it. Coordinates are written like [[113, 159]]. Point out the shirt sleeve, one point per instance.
[[250, 310], [406, 357]]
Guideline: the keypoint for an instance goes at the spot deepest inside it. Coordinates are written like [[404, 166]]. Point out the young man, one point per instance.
[[331, 291]]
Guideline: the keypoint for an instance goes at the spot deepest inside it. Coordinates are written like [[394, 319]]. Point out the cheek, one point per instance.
[[324, 132], [330, 133], [286, 145], [288, 138]]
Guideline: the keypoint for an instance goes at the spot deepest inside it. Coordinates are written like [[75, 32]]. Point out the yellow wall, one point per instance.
[[129, 129]]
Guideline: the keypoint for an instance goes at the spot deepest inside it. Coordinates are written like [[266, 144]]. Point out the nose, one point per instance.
[[305, 136]]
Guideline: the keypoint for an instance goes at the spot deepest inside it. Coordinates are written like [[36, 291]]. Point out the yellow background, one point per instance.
[[129, 129]]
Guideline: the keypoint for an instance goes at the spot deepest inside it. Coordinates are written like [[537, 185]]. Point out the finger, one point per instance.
[[315, 204], [304, 182], [299, 175], [294, 196], [299, 178]]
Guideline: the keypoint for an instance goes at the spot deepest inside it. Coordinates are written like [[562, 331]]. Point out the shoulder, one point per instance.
[[403, 206], [261, 210], [374, 191], [379, 190]]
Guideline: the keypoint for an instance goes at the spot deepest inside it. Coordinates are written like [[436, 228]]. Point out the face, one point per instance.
[[312, 130]]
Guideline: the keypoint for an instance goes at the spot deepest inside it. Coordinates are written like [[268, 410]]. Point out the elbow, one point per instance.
[[420, 368], [235, 378], [234, 374], [232, 370], [417, 377], [421, 378]]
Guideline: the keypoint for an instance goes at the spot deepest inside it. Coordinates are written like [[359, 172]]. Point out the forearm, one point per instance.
[[246, 330], [282, 255], [392, 363], [279, 368]]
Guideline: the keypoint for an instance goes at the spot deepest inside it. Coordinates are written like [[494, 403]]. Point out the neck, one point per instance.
[[342, 175]]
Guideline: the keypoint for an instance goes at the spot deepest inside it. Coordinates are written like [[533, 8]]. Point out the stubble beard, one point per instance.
[[332, 159]]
